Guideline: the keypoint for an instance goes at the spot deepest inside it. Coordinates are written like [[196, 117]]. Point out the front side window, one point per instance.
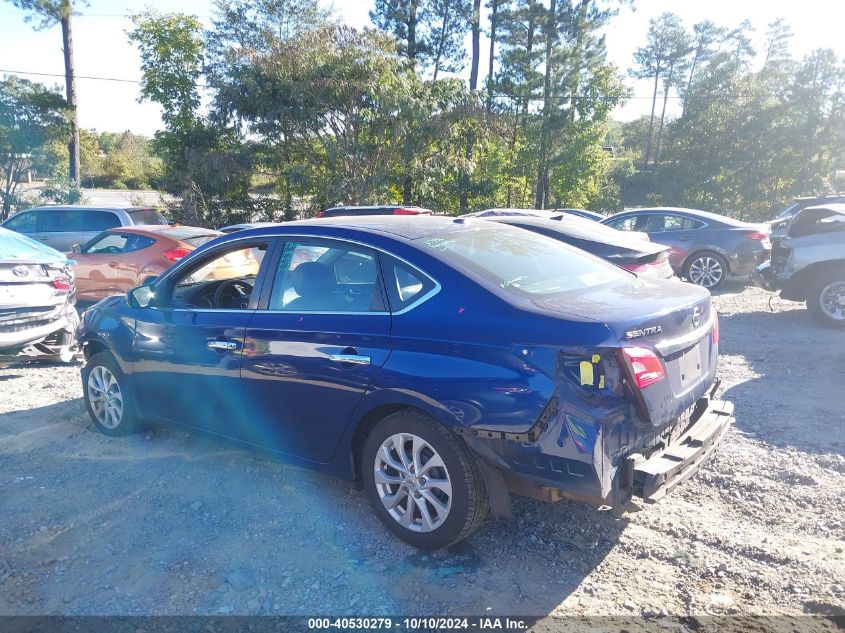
[[322, 276], [61, 221], [522, 262], [223, 281], [629, 223], [110, 243], [26, 222]]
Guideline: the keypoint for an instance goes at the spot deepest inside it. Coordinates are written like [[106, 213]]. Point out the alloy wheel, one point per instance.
[[105, 397], [706, 271], [412, 482], [832, 300]]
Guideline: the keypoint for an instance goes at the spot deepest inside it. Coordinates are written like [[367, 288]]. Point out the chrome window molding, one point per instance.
[[285, 236]]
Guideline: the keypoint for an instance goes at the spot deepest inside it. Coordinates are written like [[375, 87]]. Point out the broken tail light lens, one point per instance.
[[648, 368], [175, 254], [757, 236]]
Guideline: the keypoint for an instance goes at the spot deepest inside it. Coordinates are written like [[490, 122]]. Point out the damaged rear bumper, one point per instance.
[[654, 476]]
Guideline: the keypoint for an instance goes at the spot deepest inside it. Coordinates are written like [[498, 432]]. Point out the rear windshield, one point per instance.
[[522, 262], [147, 216], [197, 241]]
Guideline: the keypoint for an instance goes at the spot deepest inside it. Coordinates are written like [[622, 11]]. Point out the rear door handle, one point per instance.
[[227, 345], [355, 359]]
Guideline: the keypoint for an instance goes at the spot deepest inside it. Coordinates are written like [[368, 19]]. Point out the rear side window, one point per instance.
[[659, 223], [521, 262], [137, 242], [405, 285], [146, 216], [99, 221], [61, 221], [325, 276], [26, 222]]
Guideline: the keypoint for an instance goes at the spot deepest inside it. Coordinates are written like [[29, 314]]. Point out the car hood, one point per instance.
[[16, 248]]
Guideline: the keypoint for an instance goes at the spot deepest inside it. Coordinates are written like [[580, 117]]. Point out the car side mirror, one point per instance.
[[76, 248], [141, 297]]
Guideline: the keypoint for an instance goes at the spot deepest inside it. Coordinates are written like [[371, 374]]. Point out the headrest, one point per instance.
[[313, 279]]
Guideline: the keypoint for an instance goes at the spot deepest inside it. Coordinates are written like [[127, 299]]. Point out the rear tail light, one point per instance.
[[648, 368], [715, 334], [756, 235], [175, 254], [320, 214], [402, 211], [62, 283]]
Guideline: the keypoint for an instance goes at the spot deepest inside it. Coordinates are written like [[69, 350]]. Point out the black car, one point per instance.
[[637, 255], [390, 209]]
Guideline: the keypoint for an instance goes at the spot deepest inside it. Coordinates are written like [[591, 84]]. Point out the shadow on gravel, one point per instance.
[[796, 398]]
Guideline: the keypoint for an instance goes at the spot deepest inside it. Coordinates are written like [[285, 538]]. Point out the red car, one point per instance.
[[119, 259]]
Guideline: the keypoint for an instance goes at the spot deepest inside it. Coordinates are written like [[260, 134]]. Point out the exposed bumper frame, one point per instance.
[[655, 476]]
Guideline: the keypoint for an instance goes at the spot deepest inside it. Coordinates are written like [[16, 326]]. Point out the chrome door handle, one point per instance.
[[230, 345], [350, 358]]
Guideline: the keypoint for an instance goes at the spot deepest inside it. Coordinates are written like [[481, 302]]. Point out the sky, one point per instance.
[[102, 50]]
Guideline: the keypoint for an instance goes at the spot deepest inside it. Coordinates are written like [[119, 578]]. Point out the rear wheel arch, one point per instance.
[[365, 426]]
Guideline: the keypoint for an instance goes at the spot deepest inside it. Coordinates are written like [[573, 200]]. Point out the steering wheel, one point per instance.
[[233, 293]]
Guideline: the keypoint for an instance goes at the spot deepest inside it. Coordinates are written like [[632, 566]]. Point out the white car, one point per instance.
[[37, 296]]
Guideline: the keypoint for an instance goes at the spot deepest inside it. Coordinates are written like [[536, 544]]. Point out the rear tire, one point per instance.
[[107, 399], [422, 482], [707, 269], [826, 298]]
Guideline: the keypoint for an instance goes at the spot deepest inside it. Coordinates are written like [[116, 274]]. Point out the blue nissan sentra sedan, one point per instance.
[[444, 363]]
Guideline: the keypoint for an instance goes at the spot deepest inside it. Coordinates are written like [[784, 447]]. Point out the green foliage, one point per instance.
[[171, 51], [31, 118]]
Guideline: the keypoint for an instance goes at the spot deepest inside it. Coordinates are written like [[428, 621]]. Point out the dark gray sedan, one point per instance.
[[707, 248]]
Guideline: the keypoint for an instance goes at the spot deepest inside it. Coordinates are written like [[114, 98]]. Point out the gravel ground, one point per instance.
[[167, 522]]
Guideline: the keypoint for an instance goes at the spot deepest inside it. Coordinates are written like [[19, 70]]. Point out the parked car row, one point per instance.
[[444, 363]]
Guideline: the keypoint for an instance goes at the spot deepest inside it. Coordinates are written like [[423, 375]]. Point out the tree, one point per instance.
[[47, 13], [31, 116], [171, 51], [666, 45], [777, 42], [705, 35], [399, 19]]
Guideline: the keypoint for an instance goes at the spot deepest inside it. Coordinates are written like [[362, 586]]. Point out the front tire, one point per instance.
[[826, 298], [108, 402], [708, 270], [422, 482]]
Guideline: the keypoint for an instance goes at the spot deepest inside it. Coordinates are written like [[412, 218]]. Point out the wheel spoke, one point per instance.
[[441, 507], [425, 516], [408, 517], [440, 484], [433, 462], [387, 458], [383, 478]]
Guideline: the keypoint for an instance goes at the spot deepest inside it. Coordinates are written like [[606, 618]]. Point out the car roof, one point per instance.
[[87, 207], [406, 227], [836, 207], [166, 230], [694, 213]]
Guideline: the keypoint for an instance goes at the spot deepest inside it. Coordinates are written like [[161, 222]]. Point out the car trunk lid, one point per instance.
[[672, 320]]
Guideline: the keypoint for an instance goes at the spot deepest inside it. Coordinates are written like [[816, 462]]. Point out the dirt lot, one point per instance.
[[169, 523]]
